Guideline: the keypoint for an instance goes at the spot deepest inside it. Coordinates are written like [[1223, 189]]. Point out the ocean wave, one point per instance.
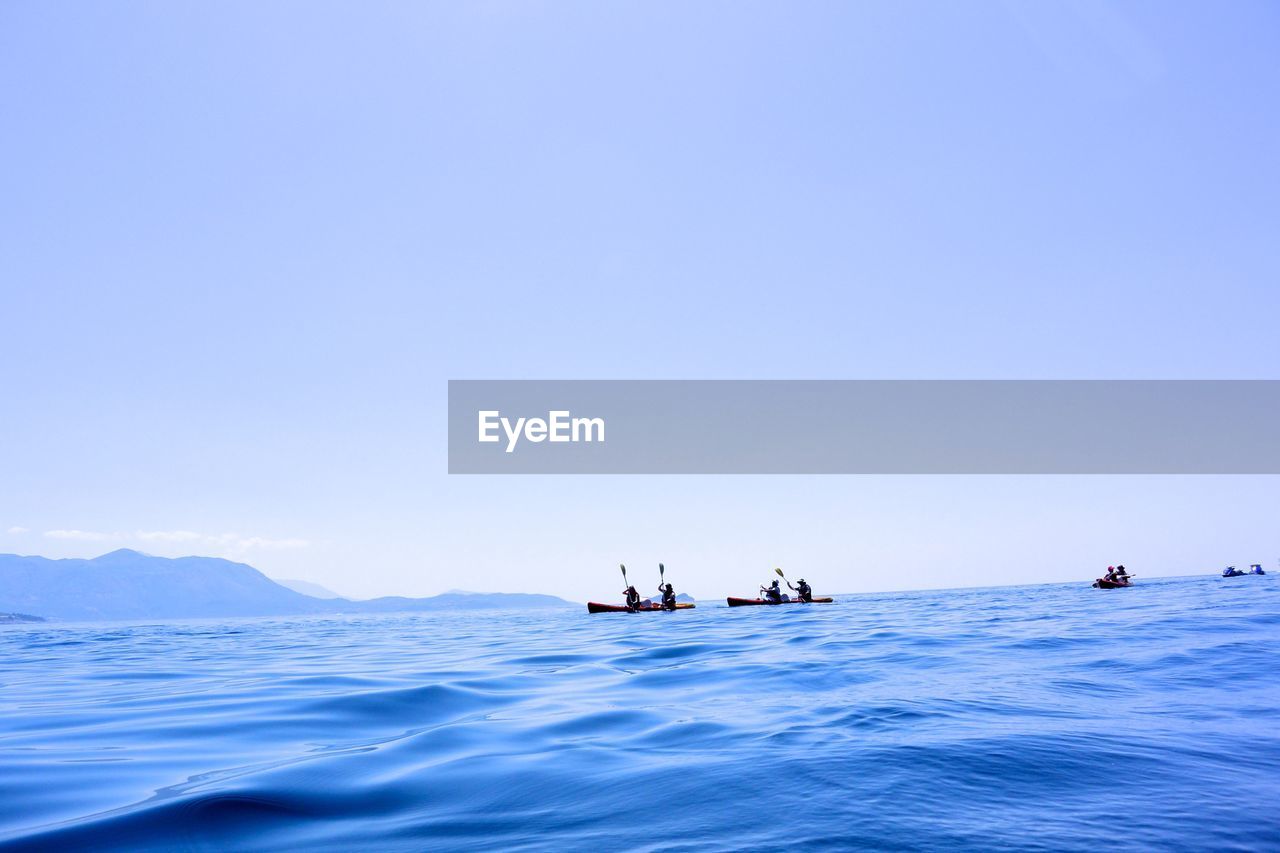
[[1054, 717]]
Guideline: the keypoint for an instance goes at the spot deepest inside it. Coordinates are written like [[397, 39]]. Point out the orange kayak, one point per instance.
[[1103, 583], [748, 602], [597, 607]]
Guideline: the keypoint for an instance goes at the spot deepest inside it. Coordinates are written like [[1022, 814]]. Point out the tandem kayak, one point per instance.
[[1103, 583], [749, 602], [597, 607]]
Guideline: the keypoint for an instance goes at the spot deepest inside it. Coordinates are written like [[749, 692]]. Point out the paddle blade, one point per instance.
[[780, 574], [662, 570], [624, 571]]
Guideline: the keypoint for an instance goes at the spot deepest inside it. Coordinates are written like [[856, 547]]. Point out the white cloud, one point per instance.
[[170, 536], [222, 542], [16, 530], [272, 544], [79, 535], [236, 542]]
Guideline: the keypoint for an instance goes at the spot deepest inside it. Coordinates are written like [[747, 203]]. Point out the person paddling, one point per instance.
[[1121, 574], [772, 593], [802, 589], [633, 598], [668, 591]]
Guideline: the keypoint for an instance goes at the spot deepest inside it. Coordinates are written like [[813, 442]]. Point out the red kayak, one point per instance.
[[1103, 583], [597, 607], [748, 602]]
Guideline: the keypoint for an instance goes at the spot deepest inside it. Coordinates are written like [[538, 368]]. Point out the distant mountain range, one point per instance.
[[314, 590], [7, 618], [127, 584]]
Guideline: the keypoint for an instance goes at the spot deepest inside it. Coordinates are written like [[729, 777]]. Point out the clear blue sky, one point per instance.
[[244, 245]]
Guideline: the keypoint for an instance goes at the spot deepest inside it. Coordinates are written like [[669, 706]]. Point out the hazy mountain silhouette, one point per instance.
[[127, 584], [314, 590], [7, 618]]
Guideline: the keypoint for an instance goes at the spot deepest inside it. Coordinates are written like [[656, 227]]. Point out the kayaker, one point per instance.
[[1121, 575], [668, 596], [1111, 574], [633, 598], [803, 590], [772, 592]]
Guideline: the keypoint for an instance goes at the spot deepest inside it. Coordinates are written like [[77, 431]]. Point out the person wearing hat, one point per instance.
[[668, 596], [803, 590]]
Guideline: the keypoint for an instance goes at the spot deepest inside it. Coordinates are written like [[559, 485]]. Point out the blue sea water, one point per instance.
[[1041, 717]]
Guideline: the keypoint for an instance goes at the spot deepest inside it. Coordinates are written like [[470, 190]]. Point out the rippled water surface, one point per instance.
[[1033, 717]]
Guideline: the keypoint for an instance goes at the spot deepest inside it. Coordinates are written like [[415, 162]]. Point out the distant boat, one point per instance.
[[645, 607], [1103, 583]]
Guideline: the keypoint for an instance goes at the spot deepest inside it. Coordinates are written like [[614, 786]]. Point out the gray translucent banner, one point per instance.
[[864, 427]]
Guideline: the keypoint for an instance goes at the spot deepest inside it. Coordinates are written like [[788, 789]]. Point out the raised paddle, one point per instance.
[[784, 577], [624, 577]]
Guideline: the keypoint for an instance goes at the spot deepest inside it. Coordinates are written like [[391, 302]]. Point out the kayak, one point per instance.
[[748, 602], [1103, 583], [597, 607], [1233, 573]]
